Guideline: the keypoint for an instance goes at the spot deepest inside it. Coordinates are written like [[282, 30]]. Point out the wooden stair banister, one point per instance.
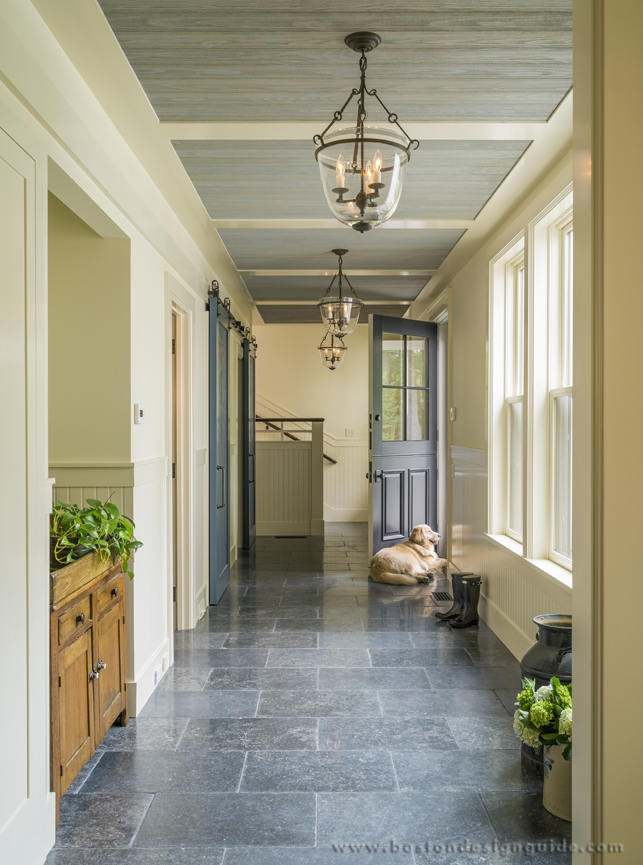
[[269, 423]]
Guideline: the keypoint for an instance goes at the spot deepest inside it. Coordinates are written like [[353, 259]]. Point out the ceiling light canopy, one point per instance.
[[331, 351], [340, 311], [362, 167]]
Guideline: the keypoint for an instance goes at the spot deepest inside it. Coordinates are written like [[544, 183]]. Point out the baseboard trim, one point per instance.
[[345, 515], [140, 691], [272, 529], [514, 639]]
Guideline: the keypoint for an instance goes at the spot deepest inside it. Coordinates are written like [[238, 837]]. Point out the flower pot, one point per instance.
[[557, 783], [551, 655]]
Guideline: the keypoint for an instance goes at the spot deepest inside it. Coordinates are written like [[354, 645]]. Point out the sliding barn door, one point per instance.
[[219, 516], [249, 438], [403, 437]]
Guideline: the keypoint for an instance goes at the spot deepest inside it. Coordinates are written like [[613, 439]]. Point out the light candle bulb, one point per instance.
[[377, 167], [369, 173], [340, 170]]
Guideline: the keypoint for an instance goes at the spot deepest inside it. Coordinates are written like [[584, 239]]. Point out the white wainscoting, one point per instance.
[[289, 488], [514, 590], [345, 484], [201, 532], [140, 491]]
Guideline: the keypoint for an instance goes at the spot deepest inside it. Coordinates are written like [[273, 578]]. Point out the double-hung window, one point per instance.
[[514, 387]]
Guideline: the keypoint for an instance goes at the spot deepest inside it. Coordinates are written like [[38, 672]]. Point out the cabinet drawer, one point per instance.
[[112, 591], [73, 620]]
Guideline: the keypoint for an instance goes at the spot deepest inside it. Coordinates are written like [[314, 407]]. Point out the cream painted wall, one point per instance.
[[89, 342], [290, 374]]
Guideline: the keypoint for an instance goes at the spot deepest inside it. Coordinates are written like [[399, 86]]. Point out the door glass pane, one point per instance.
[[392, 414], [416, 362], [563, 475], [393, 360], [416, 418], [515, 467]]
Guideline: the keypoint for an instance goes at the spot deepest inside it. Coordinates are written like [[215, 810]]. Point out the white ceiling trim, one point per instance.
[[296, 224], [304, 131]]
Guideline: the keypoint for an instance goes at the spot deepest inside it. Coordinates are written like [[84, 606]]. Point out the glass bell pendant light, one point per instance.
[[340, 311], [331, 352], [362, 167]]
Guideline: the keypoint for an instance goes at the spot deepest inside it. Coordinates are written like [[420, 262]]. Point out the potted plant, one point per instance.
[[98, 528], [543, 718]]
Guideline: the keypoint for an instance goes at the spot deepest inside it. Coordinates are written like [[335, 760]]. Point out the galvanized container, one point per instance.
[[551, 655]]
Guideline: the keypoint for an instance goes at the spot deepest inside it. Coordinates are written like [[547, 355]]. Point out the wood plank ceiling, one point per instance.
[[240, 83]]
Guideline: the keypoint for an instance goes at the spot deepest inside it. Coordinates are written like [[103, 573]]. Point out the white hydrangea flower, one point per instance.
[[565, 723], [526, 734], [544, 693]]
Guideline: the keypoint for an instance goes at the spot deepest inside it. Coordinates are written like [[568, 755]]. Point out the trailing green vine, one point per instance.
[[100, 528]]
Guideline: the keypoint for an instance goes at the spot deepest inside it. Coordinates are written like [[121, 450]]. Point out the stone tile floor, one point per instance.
[[309, 711]]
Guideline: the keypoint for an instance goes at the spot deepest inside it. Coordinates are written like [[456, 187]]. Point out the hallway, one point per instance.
[[312, 708]]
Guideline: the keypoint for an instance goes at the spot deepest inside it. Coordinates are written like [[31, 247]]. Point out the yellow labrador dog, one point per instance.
[[410, 562]]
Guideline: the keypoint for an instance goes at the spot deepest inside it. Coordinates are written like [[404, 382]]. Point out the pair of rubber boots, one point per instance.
[[466, 595]]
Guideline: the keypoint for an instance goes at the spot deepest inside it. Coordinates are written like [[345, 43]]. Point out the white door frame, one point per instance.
[[185, 583]]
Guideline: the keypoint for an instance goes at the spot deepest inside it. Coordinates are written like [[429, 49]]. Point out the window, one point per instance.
[[405, 404], [530, 389]]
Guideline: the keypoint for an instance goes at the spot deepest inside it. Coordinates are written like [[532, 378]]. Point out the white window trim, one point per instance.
[[558, 558], [512, 533]]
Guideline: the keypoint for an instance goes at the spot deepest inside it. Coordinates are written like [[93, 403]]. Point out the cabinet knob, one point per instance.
[[80, 619], [93, 674], [114, 592], [102, 665]]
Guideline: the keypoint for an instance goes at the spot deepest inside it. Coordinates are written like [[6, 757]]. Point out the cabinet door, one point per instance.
[[110, 649], [77, 742]]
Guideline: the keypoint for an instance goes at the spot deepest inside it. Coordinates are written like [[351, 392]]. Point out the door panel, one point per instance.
[[219, 516], [403, 435], [76, 708], [249, 449], [110, 650]]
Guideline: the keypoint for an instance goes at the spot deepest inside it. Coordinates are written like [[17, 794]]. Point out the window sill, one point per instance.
[[543, 567]]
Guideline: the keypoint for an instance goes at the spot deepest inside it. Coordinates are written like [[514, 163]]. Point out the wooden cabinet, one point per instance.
[[88, 663]]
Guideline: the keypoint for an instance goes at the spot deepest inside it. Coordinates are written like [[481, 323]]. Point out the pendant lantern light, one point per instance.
[[362, 167], [332, 351], [340, 311]]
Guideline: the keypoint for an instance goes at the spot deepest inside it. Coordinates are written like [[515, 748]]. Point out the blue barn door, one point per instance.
[[219, 512], [403, 430], [249, 439]]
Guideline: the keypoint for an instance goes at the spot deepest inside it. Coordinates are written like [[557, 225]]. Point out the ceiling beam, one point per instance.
[[304, 131], [381, 302], [296, 224], [330, 272]]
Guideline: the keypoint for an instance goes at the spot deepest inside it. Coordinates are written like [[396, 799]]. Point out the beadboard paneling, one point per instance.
[[513, 591], [283, 486]]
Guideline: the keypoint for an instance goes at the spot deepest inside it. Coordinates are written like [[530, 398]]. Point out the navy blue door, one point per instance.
[[403, 430], [249, 438], [219, 515]]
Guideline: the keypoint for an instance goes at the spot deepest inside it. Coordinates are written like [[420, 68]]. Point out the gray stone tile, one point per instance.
[[493, 657], [319, 704], [101, 820], [507, 697], [298, 856], [222, 658], [198, 639], [480, 677], [412, 818], [201, 704], [521, 817], [318, 658], [261, 679], [291, 640], [302, 611], [411, 734], [79, 781], [181, 679], [361, 640], [152, 772], [325, 624], [423, 703], [429, 658], [316, 771], [458, 770], [477, 734], [251, 734], [503, 856], [156, 856], [148, 734], [230, 819], [372, 678]]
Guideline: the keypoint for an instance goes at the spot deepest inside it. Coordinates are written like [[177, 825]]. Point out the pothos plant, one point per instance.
[[100, 528], [544, 716]]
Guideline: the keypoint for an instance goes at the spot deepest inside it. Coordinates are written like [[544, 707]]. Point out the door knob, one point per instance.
[[378, 417], [378, 475]]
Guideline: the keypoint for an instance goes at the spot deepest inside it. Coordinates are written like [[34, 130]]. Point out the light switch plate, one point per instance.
[[451, 413], [139, 413], [349, 433]]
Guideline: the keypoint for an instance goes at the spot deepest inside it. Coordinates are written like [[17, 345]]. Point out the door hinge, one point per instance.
[[173, 346], [123, 619], [60, 682], [173, 470], [61, 771], [174, 593]]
